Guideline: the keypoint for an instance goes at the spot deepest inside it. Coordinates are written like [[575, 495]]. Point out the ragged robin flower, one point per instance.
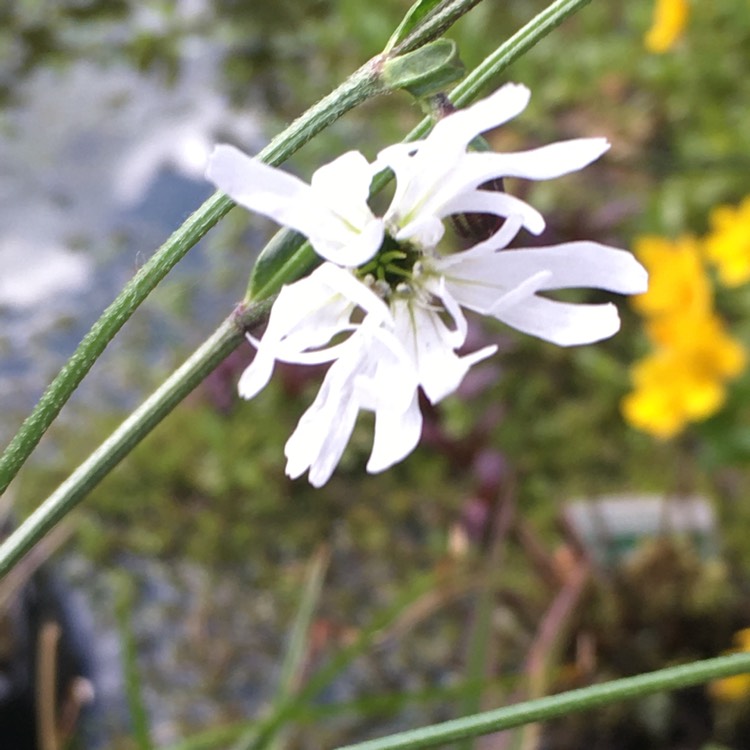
[[386, 306]]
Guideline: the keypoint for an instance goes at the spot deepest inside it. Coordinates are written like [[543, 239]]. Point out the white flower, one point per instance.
[[386, 307]]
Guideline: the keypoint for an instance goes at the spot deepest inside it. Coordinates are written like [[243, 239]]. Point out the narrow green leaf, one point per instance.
[[414, 16], [291, 668], [370, 706], [285, 711], [133, 686], [562, 704], [426, 71], [298, 637], [286, 258]]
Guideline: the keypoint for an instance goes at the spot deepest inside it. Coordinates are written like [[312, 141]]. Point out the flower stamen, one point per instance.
[[392, 264]]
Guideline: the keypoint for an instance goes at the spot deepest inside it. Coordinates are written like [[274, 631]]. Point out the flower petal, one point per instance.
[[562, 323], [324, 429], [345, 232], [571, 265], [424, 170], [547, 162], [355, 248], [256, 375], [499, 204], [430, 344], [425, 232], [261, 188], [479, 278], [462, 126], [346, 184], [307, 315], [396, 435]]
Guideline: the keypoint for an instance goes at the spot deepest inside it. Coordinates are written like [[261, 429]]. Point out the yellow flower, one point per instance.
[[668, 24], [728, 244], [677, 280], [684, 379]]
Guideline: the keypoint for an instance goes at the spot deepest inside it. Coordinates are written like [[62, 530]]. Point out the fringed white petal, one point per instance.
[[562, 323], [545, 163], [431, 346], [324, 429], [496, 203], [397, 434], [332, 212]]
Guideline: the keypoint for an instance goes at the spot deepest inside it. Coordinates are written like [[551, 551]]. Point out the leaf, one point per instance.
[[426, 71], [417, 13], [286, 258]]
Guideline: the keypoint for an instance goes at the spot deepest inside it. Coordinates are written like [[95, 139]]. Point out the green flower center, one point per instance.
[[392, 265]]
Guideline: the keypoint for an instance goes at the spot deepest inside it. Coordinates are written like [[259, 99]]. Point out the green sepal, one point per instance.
[[417, 13], [286, 258], [426, 71]]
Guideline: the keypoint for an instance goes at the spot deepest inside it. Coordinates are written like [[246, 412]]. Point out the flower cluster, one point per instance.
[[668, 25], [684, 379], [386, 307]]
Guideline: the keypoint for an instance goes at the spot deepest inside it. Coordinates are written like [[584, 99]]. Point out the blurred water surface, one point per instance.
[[100, 162]]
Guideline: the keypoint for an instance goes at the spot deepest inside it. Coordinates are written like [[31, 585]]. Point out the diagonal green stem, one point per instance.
[[508, 52], [442, 18], [504, 56], [360, 86], [103, 331], [562, 704], [213, 351]]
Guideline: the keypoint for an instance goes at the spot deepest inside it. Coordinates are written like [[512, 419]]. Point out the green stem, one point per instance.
[[442, 18], [213, 351], [360, 86], [508, 52], [103, 331], [562, 704]]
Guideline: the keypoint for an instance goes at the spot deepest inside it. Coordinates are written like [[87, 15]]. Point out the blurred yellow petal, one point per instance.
[[655, 405], [727, 245], [668, 24], [742, 639], [649, 411], [703, 398], [684, 379], [737, 687], [730, 689], [703, 342], [677, 278]]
